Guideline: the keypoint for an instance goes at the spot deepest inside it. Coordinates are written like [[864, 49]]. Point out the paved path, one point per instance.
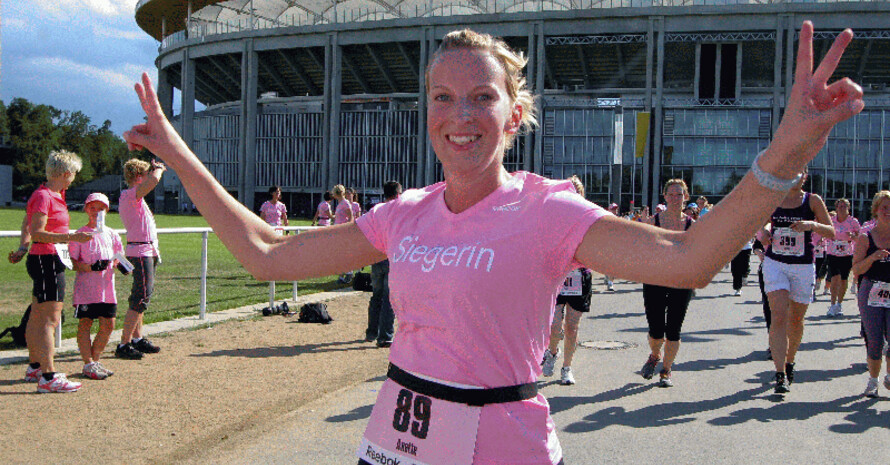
[[721, 411]]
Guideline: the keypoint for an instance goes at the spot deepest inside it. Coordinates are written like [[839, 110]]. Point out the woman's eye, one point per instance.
[[485, 97], [441, 98]]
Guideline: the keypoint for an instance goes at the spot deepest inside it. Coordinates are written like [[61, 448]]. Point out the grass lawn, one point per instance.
[[177, 280]]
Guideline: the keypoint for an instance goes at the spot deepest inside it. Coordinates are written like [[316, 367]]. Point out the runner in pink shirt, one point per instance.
[[342, 215], [352, 196], [323, 213], [839, 254], [94, 295], [142, 252], [273, 211], [476, 260]]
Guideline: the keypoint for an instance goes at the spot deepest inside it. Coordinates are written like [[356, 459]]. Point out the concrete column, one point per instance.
[[422, 139], [187, 98], [333, 93], [429, 158], [165, 92], [540, 62], [647, 156], [247, 141], [531, 78], [657, 131], [777, 71]]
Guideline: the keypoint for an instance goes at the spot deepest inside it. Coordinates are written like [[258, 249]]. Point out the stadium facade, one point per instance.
[[311, 93]]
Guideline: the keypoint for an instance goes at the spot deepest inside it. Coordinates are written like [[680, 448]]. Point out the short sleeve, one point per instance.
[[116, 243], [283, 209], [569, 216], [40, 202], [75, 249], [375, 224]]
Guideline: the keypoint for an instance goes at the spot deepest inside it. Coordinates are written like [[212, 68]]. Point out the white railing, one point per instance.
[[205, 233]]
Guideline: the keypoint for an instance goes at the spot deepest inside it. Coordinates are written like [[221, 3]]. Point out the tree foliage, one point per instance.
[[33, 131]]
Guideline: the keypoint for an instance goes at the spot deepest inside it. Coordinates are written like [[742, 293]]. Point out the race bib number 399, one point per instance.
[[788, 242], [412, 429]]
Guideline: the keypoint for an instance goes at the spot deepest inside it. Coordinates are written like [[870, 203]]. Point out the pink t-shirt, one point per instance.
[[340, 214], [52, 204], [324, 214], [95, 287], [140, 225], [842, 233], [867, 226], [271, 213], [356, 210], [474, 292]]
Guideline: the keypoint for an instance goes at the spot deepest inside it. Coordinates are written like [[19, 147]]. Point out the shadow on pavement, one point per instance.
[[861, 417], [560, 403], [290, 351], [358, 413]]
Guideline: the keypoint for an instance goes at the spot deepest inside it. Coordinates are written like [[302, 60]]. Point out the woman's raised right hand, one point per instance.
[[156, 134]]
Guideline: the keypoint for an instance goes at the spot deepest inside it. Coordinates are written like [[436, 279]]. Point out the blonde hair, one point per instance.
[[511, 62], [579, 187], [878, 199], [134, 168], [338, 190], [676, 181], [843, 201], [60, 162]]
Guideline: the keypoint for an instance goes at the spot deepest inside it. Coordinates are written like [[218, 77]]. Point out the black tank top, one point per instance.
[[880, 270], [658, 221], [786, 245]]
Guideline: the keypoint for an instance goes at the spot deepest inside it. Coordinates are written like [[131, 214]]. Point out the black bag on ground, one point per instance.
[[316, 312], [18, 332], [362, 282]]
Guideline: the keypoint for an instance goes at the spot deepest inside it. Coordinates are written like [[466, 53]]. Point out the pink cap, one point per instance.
[[97, 197], [613, 205], [661, 207]]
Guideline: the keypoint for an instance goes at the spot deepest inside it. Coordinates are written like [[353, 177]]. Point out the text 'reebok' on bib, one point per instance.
[[64, 255]]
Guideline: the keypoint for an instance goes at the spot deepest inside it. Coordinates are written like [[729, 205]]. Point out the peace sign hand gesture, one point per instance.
[[156, 134], [813, 108]]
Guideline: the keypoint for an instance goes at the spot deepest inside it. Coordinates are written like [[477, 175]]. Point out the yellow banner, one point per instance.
[[642, 139]]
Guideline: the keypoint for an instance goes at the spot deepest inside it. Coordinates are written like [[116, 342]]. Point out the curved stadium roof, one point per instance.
[[303, 12]]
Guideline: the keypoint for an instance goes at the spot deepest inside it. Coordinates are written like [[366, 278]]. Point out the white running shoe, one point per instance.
[[94, 371], [549, 363], [32, 375], [871, 390], [59, 383], [887, 381], [832, 310], [738, 292], [566, 376], [839, 309], [610, 286]]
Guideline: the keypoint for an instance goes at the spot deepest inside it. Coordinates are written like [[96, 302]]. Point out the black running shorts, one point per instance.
[[95, 311], [581, 302], [48, 274], [143, 282], [839, 266]]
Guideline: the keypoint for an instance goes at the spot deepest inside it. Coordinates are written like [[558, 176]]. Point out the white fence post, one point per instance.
[[203, 311], [59, 334]]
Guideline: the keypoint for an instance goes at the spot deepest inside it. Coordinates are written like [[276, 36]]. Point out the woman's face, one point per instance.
[[842, 209], [65, 179], [92, 209], [882, 212], [674, 195], [276, 195], [469, 112]]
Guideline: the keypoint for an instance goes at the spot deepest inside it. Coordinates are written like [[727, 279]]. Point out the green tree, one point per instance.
[[33, 134]]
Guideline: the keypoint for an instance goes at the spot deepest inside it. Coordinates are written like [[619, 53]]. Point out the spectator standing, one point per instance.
[[142, 251], [380, 313], [273, 211], [323, 212]]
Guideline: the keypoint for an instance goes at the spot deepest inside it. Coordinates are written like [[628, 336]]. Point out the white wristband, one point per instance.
[[770, 181]]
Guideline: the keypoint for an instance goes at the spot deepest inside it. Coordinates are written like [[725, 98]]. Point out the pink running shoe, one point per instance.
[[32, 375], [59, 383]]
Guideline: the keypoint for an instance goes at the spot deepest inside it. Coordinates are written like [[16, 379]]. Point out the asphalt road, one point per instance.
[[721, 410]]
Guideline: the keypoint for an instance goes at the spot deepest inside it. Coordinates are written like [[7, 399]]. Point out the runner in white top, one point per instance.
[[477, 104]]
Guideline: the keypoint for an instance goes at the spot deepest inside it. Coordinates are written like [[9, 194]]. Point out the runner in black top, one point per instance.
[[789, 273]]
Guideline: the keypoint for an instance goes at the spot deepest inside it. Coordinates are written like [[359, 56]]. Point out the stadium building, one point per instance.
[[311, 93]]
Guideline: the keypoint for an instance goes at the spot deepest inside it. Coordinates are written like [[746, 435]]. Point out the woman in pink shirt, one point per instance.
[[839, 254], [352, 196], [342, 215], [46, 224], [479, 257], [273, 211], [323, 213], [94, 295]]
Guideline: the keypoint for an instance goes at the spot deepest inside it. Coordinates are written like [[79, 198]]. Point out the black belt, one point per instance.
[[474, 397], [139, 243]]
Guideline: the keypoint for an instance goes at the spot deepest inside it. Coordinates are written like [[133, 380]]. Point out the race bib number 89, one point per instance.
[[788, 242], [413, 429]]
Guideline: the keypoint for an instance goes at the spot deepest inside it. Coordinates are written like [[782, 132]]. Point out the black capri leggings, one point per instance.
[[740, 267], [665, 310]]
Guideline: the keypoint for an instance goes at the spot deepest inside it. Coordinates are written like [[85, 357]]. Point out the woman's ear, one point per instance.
[[515, 121]]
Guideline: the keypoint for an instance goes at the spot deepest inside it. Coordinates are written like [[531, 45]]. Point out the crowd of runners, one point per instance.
[[478, 262]]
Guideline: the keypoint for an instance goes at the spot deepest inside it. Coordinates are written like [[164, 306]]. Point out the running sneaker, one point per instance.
[[665, 379], [146, 347], [839, 310], [826, 290], [781, 387], [106, 370], [738, 292], [127, 352], [58, 383], [648, 370], [789, 373], [549, 363], [610, 286], [93, 371], [871, 390], [887, 381], [566, 376], [32, 375], [832, 309]]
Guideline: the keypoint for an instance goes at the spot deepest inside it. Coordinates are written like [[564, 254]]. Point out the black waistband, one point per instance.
[[139, 243], [475, 397]]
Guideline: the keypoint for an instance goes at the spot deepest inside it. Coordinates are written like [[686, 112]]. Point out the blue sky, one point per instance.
[[76, 55]]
